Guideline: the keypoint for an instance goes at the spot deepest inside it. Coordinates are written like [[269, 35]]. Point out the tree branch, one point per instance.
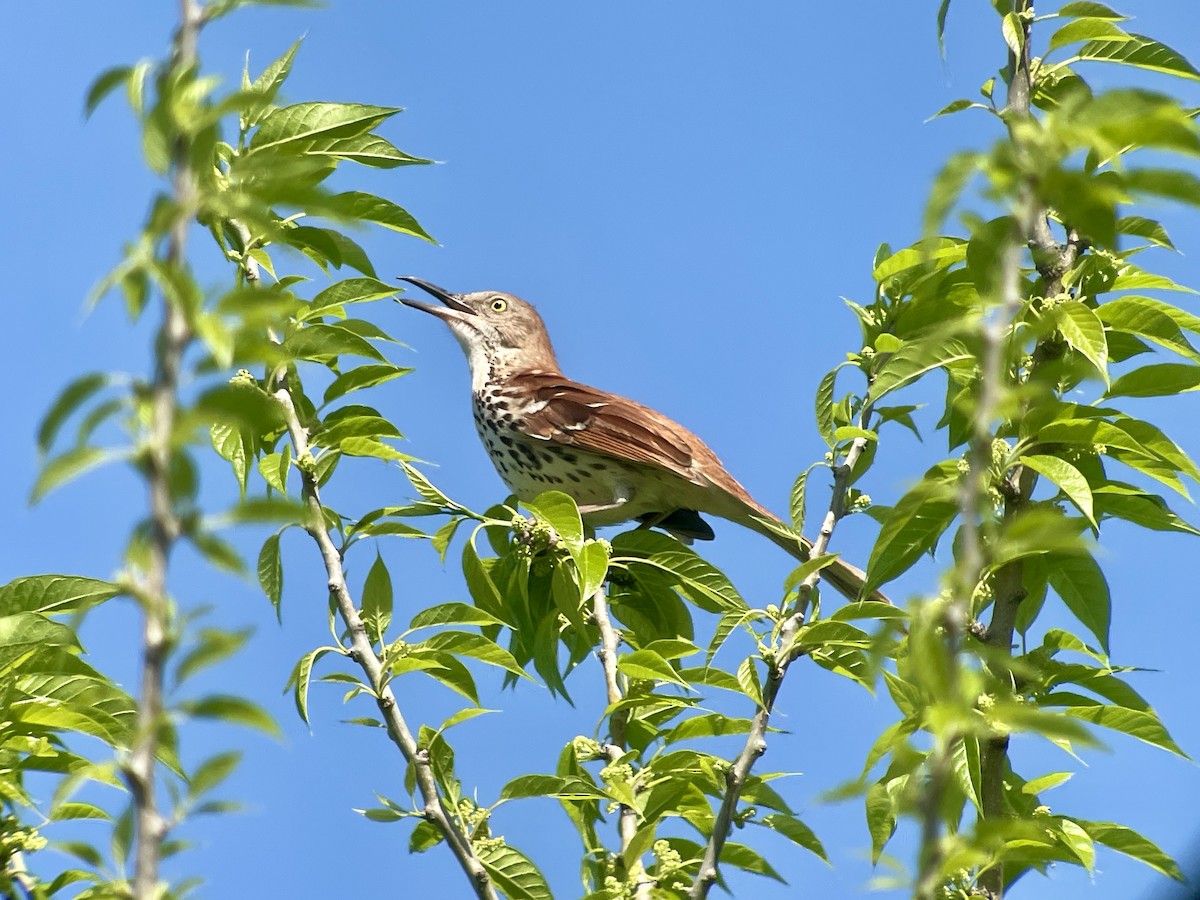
[[172, 339], [364, 654], [756, 740], [609, 643], [1052, 260]]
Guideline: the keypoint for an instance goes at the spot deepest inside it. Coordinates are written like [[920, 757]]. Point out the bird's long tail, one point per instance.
[[847, 579]]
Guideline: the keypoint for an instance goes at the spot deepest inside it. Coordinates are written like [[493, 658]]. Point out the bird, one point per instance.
[[619, 460]]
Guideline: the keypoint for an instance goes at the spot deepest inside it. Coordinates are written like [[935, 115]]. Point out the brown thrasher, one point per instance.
[[619, 460]]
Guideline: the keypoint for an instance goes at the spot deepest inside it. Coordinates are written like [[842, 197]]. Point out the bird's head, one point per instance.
[[496, 330]]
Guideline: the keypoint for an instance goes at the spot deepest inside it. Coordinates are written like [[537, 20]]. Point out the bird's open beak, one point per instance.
[[450, 300]]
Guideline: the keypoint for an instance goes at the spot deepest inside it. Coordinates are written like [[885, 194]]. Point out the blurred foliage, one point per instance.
[[1038, 317]]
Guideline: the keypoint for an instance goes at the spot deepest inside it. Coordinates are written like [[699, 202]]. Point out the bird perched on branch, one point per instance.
[[619, 460]]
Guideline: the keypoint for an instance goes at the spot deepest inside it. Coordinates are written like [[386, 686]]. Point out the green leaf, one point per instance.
[[212, 772], [914, 525], [323, 342], [274, 467], [564, 788], [881, 818], [704, 726], [453, 614], [479, 582], [1124, 501], [307, 121], [943, 9], [463, 715], [1131, 278], [1174, 184], [1154, 320], [1141, 52], [1139, 226], [425, 488], [1068, 479], [1129, 842], [1086, 29], [23, 630], [1081, 8], [424, 836], [267, 85], [270, 572], [825, 406], [1159, 380], [747, 678], [70, 465], [1035, 786], [377, 600], [796, 505], [228, 708], [558, 510], [648, 665], [70, 399], [696, 578], [949, 185], [302, 675], [514, 874], [1078, 842], [351, 427], [1143, 724], [328, 246], [592, 561], [363, 377], [343, 293], [74, 810], [477, 646], [958, 106], [444, 535], [235, 445], [1081, 584], [219, 552], [1014, 33], [913, 360], [54, 594], [211, 646], [748, 860], [371, 447], [358, 206], [106, 82], [1083, 330], [388, 815], [364, 149], [796, 832], [926, 255]]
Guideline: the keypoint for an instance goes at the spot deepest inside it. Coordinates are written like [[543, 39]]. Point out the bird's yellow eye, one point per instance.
[[499, 305]]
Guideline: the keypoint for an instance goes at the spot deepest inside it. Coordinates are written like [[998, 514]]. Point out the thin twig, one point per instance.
[[1053, 261], [173, 337], [364, 654], [616, 747], [994, 328], [756, 740]]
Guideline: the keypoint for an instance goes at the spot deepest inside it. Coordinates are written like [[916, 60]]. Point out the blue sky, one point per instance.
[[685, 190]]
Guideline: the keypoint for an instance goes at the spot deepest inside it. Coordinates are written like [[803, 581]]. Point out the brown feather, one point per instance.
[[580, 416]]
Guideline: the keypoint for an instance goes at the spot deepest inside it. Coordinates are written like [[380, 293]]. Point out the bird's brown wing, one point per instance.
[[576, 415]]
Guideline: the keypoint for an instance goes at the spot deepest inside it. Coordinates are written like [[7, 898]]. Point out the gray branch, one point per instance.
[[609, 643], [363, 653], [787, 653], [172, 340]]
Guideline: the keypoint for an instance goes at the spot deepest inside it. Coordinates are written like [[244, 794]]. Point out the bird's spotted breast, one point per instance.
[[530, 466]]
